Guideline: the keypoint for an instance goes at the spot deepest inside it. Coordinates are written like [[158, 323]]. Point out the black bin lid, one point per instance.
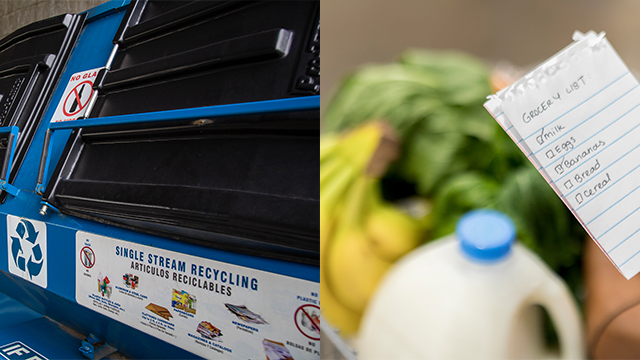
[[31, 62], [185, 54], [244, 183]]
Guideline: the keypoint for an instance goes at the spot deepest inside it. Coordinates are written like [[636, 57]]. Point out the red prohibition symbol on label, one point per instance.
[[307, 319], [78, 98], [87, 257]]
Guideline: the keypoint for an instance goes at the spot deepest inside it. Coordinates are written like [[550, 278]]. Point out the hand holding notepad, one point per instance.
[[577, 118]]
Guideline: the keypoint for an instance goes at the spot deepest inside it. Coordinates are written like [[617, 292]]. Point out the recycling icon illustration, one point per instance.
[[27, 232], [27, 249]]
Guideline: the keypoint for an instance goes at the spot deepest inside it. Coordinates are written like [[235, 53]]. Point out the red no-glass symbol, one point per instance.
[[78, 98], [87, 257]]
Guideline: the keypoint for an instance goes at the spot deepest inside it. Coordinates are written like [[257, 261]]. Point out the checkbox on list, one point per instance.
[[579, 198], [568, 184], [550, 154], [559, 169]]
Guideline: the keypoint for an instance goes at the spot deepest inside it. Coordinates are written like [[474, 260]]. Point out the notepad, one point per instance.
[[577, 118]]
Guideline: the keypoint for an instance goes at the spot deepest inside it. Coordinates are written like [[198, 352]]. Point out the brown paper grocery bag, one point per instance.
[[612, 308]]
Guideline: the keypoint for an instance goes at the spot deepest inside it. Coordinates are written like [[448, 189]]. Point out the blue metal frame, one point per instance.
[[30, 322], [207, 112], [58, 301], [93, 54], [105, 9], [13, 132]]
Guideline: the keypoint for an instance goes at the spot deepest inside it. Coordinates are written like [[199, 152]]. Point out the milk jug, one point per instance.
[[472, 295]]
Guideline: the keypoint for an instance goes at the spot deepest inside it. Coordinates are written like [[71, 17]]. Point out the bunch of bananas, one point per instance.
[[361, 234]]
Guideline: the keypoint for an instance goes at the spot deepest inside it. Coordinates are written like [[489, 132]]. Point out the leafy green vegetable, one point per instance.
[[434, 100], [375, 92], [464, 192], [462, 79], [545, 224]]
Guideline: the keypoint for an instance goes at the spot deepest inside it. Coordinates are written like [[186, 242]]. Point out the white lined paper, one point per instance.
[[577, 118]]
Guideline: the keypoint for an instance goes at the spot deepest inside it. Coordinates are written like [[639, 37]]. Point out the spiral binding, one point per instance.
[[583, 45]]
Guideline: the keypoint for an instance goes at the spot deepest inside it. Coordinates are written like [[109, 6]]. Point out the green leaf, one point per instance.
[[544, 223], [463, 78], [462, 193], [428, 154], [394, 92]]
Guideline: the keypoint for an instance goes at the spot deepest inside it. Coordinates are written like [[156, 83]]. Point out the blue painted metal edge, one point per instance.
[[9, 129], [4, 184], [207, 112], [105, 9]]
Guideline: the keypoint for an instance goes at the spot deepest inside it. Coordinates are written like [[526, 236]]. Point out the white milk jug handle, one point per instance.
[[559, 303]]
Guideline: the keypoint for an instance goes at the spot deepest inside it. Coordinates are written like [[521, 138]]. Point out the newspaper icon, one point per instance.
[[245, 314]]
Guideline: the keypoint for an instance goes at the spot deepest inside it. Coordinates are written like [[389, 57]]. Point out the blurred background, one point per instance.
[[451, 155], [357, 32]]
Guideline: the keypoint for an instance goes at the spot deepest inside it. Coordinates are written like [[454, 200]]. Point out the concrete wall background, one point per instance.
[[15, 14]]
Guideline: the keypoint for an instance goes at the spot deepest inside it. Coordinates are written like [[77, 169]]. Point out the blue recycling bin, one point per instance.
[[166, 225]]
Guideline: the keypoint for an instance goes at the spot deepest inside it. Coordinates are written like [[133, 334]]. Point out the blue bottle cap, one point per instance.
[[485, 235]]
